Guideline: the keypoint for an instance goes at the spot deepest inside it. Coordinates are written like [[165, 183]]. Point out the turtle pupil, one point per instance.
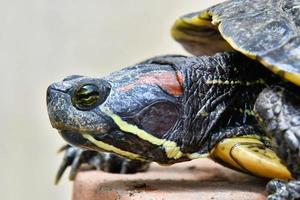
[[86, 96]]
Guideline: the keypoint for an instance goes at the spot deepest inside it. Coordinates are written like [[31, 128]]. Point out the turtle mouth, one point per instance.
[[77, 139], [101, 142]]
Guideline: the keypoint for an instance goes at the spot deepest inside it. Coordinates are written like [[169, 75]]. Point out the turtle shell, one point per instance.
[[265, 30]]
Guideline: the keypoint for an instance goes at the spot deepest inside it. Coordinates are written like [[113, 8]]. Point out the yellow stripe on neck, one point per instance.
[[110, 148], [171, 148]]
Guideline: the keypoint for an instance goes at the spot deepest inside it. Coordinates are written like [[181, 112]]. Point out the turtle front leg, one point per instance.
[[278, 111], [76, 157], [283, 190]]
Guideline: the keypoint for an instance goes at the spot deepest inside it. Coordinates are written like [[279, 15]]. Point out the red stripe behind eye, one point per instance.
[[171, 82]]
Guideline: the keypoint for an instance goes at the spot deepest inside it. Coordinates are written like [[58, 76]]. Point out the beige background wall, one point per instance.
[[42, 41]]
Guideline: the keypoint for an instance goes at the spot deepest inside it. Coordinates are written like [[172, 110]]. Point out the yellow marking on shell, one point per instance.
[[171, 148], [186, 22], [110, 148], [201, 20], [290, 76], [249, 154], [215, 20], [234, 82]]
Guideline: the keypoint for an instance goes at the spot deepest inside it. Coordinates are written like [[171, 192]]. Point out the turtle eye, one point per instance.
[[89, 96]]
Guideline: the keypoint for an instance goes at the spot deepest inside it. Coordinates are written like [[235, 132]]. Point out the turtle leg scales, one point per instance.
[[278, 112], [283, 190], [77, 158]]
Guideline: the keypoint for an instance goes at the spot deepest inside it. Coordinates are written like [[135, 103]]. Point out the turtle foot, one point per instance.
[[278, 112], [76, 158]]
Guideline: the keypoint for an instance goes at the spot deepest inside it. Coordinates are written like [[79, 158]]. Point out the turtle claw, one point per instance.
[[76, 157], [68, 159], [63, 148], [75, 164], [60, 172]]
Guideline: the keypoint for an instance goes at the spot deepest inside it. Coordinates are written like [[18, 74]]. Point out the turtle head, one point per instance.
[[132, 112]]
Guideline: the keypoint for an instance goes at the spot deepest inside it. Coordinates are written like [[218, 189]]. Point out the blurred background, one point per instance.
[[42, 41]]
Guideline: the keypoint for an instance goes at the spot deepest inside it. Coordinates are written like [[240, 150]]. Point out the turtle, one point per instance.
[[235, 101]]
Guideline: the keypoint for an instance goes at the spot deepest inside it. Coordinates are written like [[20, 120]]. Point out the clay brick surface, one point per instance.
[[196, 180]]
